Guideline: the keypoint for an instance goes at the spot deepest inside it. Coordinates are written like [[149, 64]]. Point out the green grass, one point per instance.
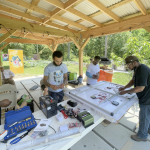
[[39, 70], [119, 78]]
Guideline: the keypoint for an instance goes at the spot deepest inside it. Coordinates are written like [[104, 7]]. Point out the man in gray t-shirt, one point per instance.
[[55, 77]]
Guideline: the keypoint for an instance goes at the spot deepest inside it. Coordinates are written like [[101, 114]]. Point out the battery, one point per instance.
[[48, 106]]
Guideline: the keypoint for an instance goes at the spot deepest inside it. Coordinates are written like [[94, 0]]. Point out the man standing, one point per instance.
[[141, 82], [7, 76], [92, 71], [55, 77]]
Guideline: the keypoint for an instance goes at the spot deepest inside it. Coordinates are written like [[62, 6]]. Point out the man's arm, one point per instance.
[[65, 78], [54, 87], [131, 83], [61, 86], [137, 89]]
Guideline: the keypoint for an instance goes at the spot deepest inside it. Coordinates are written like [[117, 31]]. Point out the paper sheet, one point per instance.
[[42, 125]]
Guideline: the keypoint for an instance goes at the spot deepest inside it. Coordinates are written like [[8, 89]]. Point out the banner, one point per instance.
[[16, 61]]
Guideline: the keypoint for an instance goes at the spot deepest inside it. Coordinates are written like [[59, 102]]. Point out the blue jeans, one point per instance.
[[144, 121], [58, 96]]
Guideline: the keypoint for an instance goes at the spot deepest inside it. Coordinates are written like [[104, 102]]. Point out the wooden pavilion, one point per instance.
[[52, 22]]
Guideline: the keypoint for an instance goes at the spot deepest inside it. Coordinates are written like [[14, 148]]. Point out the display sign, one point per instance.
[[16, 61]]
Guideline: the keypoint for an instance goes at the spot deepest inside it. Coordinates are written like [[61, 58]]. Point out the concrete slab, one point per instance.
[[19, 85], [117, 136], [26, 82], [131, 111], [129, 121], [37, 80], [91, 142]]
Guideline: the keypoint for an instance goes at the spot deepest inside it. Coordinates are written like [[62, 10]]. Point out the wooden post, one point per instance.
[[106, 46], [81, 62], [0, 70], [80, 46]]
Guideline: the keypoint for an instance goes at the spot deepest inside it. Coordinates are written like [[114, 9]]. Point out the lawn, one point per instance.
[[34, 68]]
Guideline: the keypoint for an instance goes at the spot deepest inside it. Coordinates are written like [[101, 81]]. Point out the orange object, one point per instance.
[[105, 76]]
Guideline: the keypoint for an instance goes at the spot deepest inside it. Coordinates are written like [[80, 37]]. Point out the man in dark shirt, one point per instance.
[[141, 82]]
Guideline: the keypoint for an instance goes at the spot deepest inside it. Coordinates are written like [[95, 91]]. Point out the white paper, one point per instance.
[[63, 128], [59, 117], [7, 76], [42, 125]]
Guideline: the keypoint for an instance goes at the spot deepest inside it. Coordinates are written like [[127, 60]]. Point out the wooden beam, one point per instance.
[[3, 46], [141, 7], [7, 35], [125, 25], [84, 44], [55, 47], [11, 24], [83, 16], [56, 3], [70, 3], [62, 6], [123, 2], [76, 43], [50, 48], [0, 70], [70, 22], [100, 6], [31, 7], [26, 41], [19, 13], [147, 29]]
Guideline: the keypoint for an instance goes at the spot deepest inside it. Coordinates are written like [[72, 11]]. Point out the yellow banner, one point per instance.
[[16, 61]]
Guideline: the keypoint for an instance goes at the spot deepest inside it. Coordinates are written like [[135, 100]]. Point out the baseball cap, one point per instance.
[[130, 59]]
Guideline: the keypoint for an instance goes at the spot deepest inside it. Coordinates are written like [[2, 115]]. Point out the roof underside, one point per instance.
[[77, 17]]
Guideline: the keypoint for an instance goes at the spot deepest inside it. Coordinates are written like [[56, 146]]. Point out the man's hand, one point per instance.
[[61, 86], [121, 88], [5, 103], [95, 76], [54, 87], [122, 92], [11, 77]]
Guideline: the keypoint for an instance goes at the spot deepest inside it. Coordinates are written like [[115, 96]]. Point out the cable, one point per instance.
[[52, 128], [5, 28]]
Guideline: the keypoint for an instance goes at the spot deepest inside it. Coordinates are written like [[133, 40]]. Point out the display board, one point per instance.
[[104, 97], [16, 61]]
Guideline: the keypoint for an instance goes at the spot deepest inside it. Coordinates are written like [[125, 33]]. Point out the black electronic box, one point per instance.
[[48, 106]]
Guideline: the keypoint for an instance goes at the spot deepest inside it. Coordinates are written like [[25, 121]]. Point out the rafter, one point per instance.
[[62, 6], [27, 16], [141, 7], [125, 25], [123, 2], [3, 46], [13, 24], [147, 29], [31, 7], [26, 41], [70, 22], [104, 9], [7, 35]]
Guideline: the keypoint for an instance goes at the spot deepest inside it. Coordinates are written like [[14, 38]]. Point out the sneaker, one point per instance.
[[136, 138]]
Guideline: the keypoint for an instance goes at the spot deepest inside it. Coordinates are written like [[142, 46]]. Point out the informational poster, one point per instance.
[[16, 61]]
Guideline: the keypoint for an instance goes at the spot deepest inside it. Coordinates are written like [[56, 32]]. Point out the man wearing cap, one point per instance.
[[141, 82]]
